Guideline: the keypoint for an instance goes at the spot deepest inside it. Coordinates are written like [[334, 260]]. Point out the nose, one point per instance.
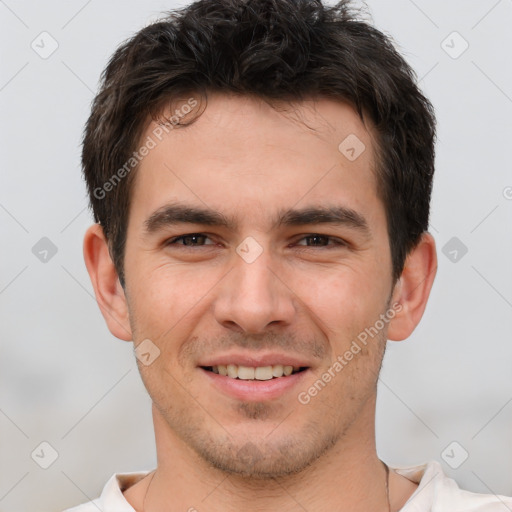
[[254, 296]]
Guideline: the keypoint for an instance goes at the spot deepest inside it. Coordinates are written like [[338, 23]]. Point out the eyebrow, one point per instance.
[[176, 213]]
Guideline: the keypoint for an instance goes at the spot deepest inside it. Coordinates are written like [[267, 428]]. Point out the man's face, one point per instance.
[[257, 292]]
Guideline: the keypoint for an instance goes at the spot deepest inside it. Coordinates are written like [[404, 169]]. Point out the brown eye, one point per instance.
[[321, 241], [189, 240], [317, 240]]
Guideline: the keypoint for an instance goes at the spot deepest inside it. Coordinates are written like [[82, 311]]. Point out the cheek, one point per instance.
[[169, 298], [167, 302], [344, 298]]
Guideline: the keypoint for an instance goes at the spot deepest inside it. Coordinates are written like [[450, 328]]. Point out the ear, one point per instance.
[[413, 288], [107, 288]]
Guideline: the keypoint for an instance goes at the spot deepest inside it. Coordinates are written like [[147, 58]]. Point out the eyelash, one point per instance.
[[337, 241]]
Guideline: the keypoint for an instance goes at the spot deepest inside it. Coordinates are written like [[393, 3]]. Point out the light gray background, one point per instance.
[[66, 380]]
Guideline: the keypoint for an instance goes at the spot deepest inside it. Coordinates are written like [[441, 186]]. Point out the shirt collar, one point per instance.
[[426, 475]]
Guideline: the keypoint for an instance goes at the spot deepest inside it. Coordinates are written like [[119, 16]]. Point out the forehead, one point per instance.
[[244, 157]]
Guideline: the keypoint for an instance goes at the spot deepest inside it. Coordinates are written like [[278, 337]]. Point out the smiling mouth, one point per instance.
[[254, 373]]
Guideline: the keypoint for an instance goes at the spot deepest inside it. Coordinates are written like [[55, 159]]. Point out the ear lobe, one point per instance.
[[107, 288], [413, 288]]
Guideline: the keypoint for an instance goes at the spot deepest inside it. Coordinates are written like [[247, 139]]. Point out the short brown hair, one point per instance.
[[276, 50]]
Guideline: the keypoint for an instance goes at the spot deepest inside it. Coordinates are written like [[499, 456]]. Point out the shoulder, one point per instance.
[[92, 506], [450, 497], [112, 498], [439, 493]]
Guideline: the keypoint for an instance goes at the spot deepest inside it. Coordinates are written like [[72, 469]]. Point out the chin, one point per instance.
[[265, 457]]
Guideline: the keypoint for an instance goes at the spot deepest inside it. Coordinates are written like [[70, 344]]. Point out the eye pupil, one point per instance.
[[316, 237], [188, 237]]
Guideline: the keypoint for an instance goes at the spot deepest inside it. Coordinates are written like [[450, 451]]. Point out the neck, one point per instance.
[[349, 477]]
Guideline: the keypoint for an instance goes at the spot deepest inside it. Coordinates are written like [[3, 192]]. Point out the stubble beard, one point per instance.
[[272, 454]]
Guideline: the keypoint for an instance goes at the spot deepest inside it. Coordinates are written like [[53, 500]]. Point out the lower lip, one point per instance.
[[255, 390]]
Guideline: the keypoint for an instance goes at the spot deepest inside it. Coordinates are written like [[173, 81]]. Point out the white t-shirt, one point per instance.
[[435, 493]]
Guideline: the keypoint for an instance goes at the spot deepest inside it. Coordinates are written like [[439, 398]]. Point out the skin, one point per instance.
[[301, 296]]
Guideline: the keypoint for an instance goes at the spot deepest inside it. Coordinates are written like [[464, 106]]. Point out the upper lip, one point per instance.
[[254, 360]]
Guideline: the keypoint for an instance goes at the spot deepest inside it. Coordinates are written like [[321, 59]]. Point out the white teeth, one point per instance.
[[277, 370], [245, 373], [232, 371], [259, 373], [263, 373]]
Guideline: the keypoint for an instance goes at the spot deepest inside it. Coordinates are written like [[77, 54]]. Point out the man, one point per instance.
[[260, 173]]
